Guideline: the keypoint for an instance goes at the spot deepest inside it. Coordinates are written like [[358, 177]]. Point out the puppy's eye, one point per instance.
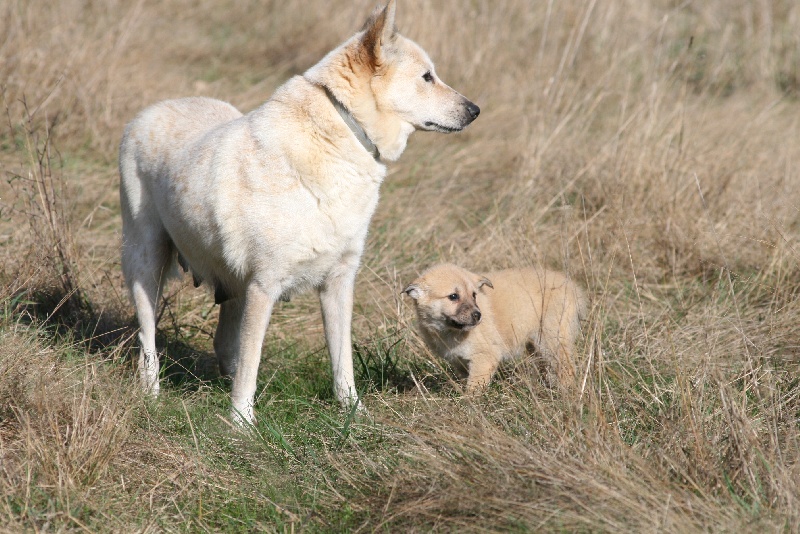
[[428, 77], [474, 295], [453, 296]]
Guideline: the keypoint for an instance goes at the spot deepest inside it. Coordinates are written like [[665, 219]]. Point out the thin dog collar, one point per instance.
[[354, 126]]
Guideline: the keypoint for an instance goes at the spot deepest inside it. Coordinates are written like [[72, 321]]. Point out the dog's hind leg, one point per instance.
[[148, 257], [145, 263], [560, 327], [226, 338], [336, 298]]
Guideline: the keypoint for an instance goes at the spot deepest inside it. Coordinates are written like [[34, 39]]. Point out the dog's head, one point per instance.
[[405, 81], [390, 86], [445, 297]]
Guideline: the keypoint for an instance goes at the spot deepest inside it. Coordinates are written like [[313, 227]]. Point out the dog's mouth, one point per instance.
[[436, 127], [458, 325]]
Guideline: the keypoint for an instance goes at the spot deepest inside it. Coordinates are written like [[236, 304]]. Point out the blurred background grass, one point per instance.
[[650, 149]]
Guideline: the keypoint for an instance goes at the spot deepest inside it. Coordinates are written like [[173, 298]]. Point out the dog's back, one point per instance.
[[150, 146], [541, 307], [153, 146], [163, 130]]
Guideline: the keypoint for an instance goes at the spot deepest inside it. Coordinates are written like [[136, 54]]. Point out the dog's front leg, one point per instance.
[[481, 369], [336, 298], [226, 339], [256, 311]]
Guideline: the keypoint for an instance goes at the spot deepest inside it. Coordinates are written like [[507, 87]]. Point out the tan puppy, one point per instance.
[[477, 321]]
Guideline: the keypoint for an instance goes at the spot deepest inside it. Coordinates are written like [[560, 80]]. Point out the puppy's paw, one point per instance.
[[477, 383], [476, 389]]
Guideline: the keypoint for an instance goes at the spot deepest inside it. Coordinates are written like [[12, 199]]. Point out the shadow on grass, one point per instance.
[[71, 318], [109, 334], [381, 364]]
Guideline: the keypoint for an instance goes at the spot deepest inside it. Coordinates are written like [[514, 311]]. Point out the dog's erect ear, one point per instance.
[[379, 33], [483, 281], [413, 291]]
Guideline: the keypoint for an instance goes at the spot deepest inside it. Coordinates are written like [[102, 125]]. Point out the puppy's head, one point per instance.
[[445, 297]]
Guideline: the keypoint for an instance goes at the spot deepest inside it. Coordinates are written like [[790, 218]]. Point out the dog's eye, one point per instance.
[[428, 77], [474, 295], [453, 296]]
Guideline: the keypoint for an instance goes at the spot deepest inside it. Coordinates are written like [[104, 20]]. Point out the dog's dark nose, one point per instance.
[[473, 110], [476, 315]]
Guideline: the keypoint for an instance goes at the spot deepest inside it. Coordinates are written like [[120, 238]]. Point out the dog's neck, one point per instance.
[[354, 126]]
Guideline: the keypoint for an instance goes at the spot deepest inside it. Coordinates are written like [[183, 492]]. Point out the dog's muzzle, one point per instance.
[[470, 113], [474, 320]]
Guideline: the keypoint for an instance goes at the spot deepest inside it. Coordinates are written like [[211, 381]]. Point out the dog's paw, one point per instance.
[[476, 387], [243, 417], [357, 411], [362, 414]]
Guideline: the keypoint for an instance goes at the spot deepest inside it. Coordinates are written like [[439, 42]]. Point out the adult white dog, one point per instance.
[[268, 204]]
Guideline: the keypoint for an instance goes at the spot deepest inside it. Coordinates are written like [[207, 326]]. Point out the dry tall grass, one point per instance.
[[651, 149]]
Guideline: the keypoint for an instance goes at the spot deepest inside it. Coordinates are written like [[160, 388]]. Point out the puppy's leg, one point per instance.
[[565, 364], [557, 341], [336, 298], [226, 338], [481, 369], [558, 351], [255, 314]]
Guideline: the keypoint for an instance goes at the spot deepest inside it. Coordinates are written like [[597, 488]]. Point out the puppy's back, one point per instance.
[[533, 303]]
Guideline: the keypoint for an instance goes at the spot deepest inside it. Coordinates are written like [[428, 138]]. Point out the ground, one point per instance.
[[648, 149]]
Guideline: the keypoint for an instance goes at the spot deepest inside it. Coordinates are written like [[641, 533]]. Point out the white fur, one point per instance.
[[276, 201]]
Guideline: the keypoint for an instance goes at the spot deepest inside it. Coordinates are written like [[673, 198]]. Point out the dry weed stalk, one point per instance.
[[37, 193]]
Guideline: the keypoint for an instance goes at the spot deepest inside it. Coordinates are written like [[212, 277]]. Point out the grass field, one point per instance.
[[650, 149]]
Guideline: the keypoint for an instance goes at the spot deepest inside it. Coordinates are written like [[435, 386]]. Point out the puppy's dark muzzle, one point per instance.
[[467, 322]]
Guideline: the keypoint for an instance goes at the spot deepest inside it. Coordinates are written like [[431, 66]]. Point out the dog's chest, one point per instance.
[[303, 222], [481, 342]]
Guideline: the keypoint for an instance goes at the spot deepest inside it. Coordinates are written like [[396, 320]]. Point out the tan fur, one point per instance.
[[495, 316], [268, 204]]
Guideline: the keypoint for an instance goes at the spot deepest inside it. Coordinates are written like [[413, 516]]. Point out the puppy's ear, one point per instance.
[[483, 281], [379, 34], [413, 291]]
